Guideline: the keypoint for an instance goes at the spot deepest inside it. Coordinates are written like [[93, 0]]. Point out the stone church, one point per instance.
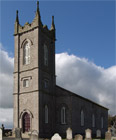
[[39, 104]]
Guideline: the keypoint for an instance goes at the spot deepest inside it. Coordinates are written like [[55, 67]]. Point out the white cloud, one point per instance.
[[6, 117], [87, 79], [76, 74], [6, 63], [6, 79]]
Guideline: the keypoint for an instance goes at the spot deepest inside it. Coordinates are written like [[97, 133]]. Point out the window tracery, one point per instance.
[[26, 53]]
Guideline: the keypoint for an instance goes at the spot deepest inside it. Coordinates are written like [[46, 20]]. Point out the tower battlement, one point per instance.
[[19, 29]]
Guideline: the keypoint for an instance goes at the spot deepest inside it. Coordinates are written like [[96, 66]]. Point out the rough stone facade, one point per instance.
[[74, 104], [33, 99]]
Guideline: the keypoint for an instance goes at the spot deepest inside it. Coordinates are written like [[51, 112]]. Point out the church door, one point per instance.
[[26, 122]]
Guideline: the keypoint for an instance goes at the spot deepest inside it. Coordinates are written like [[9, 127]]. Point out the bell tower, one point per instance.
[[34, 76]]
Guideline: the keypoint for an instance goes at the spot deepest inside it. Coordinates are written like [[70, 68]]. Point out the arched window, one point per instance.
[[93, 120], [46, 114], [26, 53], [26, 122], [63, 115], [102, 122], [46, 84], [45, 55], [82, 118]]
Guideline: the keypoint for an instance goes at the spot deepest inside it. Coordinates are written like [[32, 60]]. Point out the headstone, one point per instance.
[[56, 137], [108, 135], [34, 135], [69, 134], [113, 138], [78, 137], [88, 134], [46, 139], [18, 135], [98, 133], [0, 134], [13, 132]]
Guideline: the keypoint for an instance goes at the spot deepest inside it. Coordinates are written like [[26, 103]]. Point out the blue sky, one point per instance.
[[83, 28]]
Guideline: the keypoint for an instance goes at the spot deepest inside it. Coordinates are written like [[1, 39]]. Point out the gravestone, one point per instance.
[[1, 134], [88, 134], [34, 135], [69, 134], [56, 137], [98, 133], [18, 135], [46, 139], [113, 138], [108, 135], [78, 137]]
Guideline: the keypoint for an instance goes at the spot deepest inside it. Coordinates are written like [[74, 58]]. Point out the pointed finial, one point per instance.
[[16, 23], [38, 6], [52, 19], [37, 16], [53, 25], [17, 18]]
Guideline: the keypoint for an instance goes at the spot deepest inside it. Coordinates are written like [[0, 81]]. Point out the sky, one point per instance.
[[85, 47]]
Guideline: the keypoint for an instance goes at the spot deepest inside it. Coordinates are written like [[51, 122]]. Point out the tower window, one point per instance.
[[26, 53], [93, 120], [45, 55], [26, 83], [63, 115], [46, 84], [82, 118], [46, 114]]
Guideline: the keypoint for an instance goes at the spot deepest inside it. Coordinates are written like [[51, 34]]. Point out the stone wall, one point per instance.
[[75, 104]]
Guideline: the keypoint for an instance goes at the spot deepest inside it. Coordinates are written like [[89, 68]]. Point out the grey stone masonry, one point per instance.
[[56, 136], [34, 135], [98, 133], [1, 134], [69, 134], [88, 134], [78, 137], [108, 135], [18, 134]]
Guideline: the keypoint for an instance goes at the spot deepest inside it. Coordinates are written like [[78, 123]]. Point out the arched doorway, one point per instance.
[[26, 122]]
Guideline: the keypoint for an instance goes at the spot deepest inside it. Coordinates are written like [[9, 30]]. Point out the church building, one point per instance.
[[39, 104]]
